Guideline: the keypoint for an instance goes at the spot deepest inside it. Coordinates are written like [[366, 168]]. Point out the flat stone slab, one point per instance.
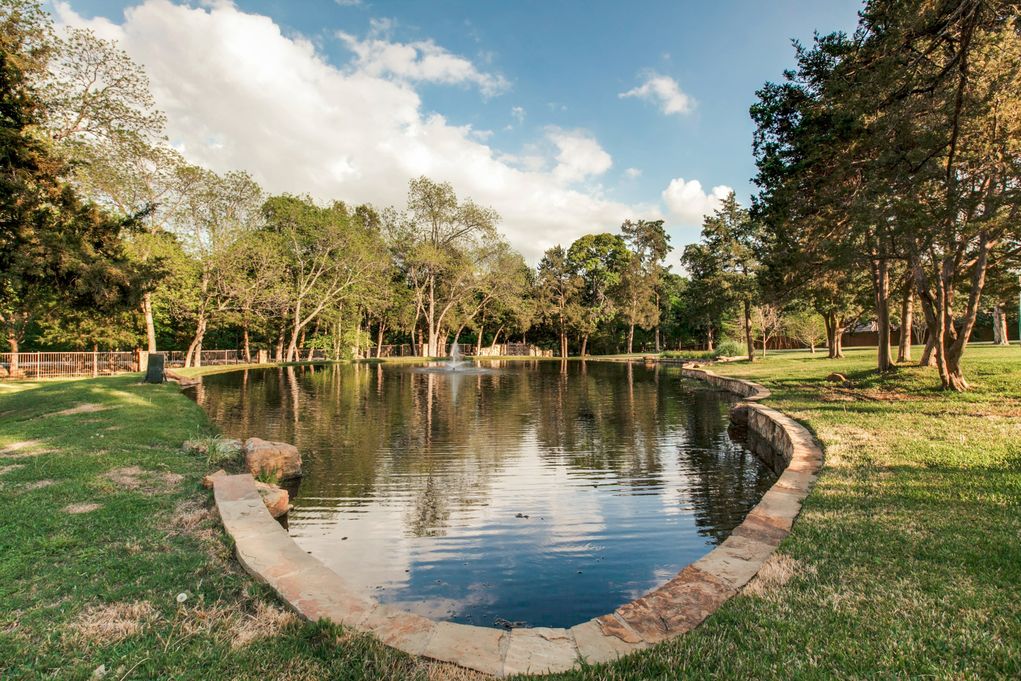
[[312, 590], [540, 651]]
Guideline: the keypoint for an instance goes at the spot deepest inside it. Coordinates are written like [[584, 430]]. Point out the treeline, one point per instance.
[[889, 172], [114, 240]]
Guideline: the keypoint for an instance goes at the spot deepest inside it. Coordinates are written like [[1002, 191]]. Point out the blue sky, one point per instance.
[[543, 96]]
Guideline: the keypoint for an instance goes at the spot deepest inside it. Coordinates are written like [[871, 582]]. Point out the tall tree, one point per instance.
[[726, 259], [649, 245], [599, 261]]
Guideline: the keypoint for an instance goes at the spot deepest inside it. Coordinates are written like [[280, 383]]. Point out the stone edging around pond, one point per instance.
[[314, 591]]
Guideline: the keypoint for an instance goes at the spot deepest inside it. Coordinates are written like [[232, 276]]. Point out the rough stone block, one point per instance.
[[735, 561], [276, 499], [273, 458], [678, 606], [596, 647]]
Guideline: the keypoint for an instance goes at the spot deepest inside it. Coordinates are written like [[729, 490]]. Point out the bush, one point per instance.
[[729, 348], [697, 355]]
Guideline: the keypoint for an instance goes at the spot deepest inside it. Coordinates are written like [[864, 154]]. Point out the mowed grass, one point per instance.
[[905, 562], [906, 559], [103, 522]]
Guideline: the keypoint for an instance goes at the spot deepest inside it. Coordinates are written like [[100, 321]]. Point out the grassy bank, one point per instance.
[[104, 522], [905, 561]]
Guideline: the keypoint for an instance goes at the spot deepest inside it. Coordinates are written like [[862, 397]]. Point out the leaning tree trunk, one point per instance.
[[906, 322], [193, 358], [584, 344], [630, 337]]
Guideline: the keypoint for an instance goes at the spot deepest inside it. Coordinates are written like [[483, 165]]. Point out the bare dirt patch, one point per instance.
[[106, 624], [87, 408], [38, 484], [188, 516], [141, 480], [23, 449], [774, 574], [10, 467], [78, 509], [266, 621]]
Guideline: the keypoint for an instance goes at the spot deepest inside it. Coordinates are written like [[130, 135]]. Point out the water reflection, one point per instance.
[[545, 492]]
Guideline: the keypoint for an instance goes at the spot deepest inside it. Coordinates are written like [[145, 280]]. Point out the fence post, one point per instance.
[[37, 367], [95, 364]]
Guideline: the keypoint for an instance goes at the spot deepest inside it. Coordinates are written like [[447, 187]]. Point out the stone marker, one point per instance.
[[154, 372], [273, 458]]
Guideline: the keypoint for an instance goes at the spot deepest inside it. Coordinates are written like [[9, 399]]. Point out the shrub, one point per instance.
[[729, 348]]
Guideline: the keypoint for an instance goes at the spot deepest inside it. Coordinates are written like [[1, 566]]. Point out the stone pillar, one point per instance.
[[154, 370], [143, 360], [261, 357]]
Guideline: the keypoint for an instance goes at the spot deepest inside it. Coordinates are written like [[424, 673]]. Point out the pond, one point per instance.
[[538, 493]]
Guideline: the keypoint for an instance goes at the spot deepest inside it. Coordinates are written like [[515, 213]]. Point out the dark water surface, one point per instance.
[[542, 493]]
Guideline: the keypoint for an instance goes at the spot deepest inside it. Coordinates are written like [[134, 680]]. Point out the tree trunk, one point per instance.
[[280, 345], [881, 298], [1000, 335], [478, 340], [659, 345], [563, 344], [245, 340], [630, 337], [906, 322], [495, 339], [584, 344], [12, 341], [193, 358], [709, 339], [379, 338], [150, 326], [748, 330]]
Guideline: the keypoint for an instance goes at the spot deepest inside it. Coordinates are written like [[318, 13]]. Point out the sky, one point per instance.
[[567, 117]]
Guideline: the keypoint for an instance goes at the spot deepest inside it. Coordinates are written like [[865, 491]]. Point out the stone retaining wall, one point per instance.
[[267, 552]]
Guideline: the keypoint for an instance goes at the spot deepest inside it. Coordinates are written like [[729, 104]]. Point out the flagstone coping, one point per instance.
[[266, 551]]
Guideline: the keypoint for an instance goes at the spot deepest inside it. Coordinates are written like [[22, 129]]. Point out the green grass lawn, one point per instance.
[[905, 562]]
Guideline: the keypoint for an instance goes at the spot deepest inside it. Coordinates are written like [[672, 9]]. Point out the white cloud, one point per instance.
[[633, 173], [579, 155], [662, 91], [348, 3], [420, 61], [299, 124], [518, 114], [688, 203]]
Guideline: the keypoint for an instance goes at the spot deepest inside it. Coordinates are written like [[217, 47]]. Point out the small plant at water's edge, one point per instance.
[[729, 348]]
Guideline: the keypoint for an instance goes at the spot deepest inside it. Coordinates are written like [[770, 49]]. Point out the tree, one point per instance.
[[599, 261], [55, 249], [725, 259], [648, 244], [442, 243], [558, 290], [330, 254]]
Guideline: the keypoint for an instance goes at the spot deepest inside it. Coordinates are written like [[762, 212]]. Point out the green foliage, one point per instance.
[[729, 347]]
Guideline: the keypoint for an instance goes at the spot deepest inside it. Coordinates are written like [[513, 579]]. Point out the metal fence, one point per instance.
[[53, 364]]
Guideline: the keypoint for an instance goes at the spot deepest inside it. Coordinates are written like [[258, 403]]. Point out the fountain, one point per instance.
[[455, 357]]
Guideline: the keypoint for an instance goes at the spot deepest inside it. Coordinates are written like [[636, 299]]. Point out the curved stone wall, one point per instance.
[[267, 552]]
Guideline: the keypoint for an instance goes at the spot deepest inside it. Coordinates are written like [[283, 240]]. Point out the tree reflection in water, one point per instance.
[[545, 492]]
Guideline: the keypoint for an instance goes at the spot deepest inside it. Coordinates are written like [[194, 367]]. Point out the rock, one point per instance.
[[836, 378], [276, 499], [272, 458], [207, 481]]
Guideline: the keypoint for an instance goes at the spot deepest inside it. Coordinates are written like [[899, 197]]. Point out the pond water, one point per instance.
[[541, 493]]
